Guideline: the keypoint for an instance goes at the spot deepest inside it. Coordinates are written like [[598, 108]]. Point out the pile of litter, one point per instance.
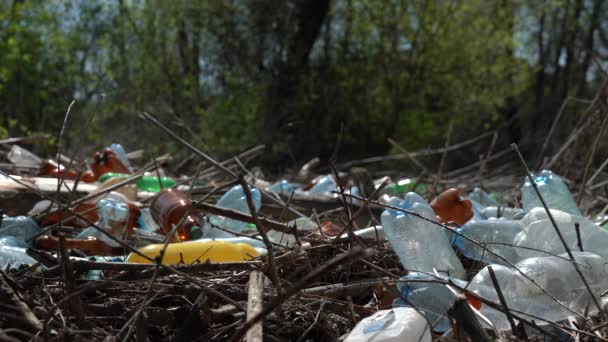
[[119, 251]]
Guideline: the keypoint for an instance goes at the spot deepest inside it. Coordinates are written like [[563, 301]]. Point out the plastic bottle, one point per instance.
[[88, 245], [107, 161], [50, 168], [234, 199], [554, 191], [168, 209], [283, 187], [255, 243], [502, 212], [145, 183], [120, 153], [395, 325], [450, 207], [323, 186], [554, 274], [480, 196], [19, 227], [432, 299], [303, 224], [13, 241], [190, 252], [22, 157], [489, 231], [113, 218], [420, 245], [539, 233], [14, 256]]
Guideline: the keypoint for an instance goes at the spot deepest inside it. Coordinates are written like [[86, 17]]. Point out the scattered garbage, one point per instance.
[[387, 267]]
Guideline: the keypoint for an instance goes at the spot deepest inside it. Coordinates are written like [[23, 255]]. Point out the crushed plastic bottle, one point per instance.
[[283, 187], [324, 185], [20, 228], [113, 218], [554, 191], [22, 157], [234, 199], [481, 197], [14, 257], [432, 299], [502, 212], [450, 207], [420, 245], [488, 232], [555, 274], [539, 233], [303, 224], [395, 325]]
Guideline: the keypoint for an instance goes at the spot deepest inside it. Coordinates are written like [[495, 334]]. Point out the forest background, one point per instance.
[[292, 74]]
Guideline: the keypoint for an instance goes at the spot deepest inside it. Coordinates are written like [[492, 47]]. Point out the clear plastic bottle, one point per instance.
[[489, 231], [13, 256], [502, 212], [324, 186], [283, 187], [552, 273], [554, 191], [22, 157], [120, 153], [19, 227], [539, 233], [420, 245], [395, 325], [234, 199], [480, 196], [113, 218], [433, 299]]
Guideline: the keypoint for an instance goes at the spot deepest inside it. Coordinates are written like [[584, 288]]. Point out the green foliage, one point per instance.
[[212, 71]]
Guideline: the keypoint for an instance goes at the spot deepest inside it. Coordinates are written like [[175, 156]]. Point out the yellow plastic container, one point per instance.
[[190, 252]]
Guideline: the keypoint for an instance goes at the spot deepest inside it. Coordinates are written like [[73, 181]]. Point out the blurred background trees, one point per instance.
[[230, 74]]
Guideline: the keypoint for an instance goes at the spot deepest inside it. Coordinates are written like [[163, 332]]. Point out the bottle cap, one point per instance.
[[196, 233]]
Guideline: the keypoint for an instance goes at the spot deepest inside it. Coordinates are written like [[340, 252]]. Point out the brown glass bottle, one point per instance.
[[450, 207], [90, 246], [169, 207]]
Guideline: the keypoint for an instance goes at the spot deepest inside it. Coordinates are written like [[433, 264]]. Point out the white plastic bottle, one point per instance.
[[395, 325]]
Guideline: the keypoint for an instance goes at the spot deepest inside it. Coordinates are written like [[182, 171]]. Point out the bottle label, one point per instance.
[[380, 323]]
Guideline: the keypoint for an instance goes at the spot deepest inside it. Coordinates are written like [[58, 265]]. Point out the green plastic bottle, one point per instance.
[[405, 185], [145, 183]]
